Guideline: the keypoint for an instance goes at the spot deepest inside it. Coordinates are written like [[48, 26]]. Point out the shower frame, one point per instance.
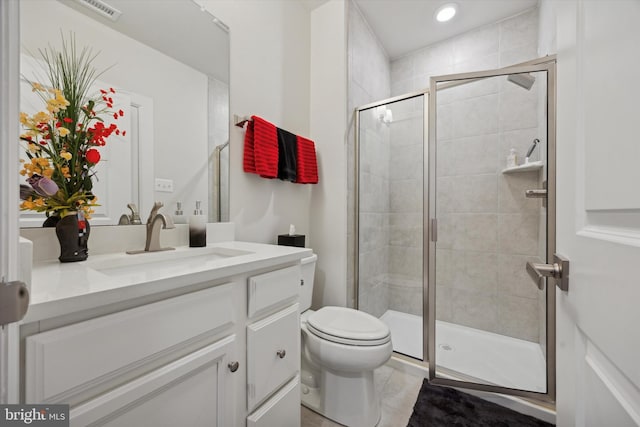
[[545, 64]]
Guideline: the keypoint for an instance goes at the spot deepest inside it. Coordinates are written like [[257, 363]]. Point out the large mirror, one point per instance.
[[169, 63]]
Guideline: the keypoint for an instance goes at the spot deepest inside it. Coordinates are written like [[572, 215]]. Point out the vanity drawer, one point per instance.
[[282, 410], [273, 354], [273, 289], [74, 359]]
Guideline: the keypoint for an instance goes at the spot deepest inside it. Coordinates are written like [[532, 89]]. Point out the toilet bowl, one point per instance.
[[341, 347]]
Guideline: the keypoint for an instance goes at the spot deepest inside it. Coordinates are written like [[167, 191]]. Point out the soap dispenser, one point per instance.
[[197, 228], [179, 217]]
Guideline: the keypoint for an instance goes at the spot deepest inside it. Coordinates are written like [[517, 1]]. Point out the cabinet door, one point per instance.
[[273, 354], [282, 410], [196, 390]]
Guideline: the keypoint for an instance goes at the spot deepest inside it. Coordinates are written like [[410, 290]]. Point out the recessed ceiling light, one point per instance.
[[446, 12]]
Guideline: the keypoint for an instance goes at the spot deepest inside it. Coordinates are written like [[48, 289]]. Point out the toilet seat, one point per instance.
[[348, 326]]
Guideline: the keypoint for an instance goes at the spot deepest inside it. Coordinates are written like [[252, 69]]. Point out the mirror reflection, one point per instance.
[[169, 63]]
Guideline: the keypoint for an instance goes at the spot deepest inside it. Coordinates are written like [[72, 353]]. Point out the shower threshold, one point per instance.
[[489, 357]]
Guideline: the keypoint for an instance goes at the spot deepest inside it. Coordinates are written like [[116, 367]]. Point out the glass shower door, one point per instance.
[[389, 217], [490, 164]]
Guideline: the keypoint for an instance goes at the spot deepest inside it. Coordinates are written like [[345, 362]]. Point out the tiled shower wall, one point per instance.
[[488, 230], [368, 82]]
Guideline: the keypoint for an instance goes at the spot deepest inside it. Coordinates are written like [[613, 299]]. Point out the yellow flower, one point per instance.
[[24, 118], [37, 86], [42, 117], [65, 155], [48, 173], [63, 131], [34, 147], [65, 171]]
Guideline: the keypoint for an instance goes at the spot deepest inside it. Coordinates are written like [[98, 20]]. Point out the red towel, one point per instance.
[[265, 147], [249, 160], [307, 164], [261, 152]]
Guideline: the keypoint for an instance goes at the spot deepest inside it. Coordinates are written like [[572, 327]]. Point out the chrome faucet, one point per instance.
[[133, 219], [155, 223]]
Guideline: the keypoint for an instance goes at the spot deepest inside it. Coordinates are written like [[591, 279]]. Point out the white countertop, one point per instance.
[[64, 288]]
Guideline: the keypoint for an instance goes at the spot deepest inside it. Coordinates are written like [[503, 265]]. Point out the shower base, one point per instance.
[[487, 357]]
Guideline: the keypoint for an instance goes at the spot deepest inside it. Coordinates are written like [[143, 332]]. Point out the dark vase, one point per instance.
[[73, 236]]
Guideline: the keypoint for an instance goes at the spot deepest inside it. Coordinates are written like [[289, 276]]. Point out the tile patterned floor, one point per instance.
[[398, 391]]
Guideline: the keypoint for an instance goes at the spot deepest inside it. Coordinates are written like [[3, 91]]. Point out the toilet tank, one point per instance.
[[308, 266]]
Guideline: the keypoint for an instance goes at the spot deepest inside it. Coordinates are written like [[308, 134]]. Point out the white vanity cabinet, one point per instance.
[[166, 363], [273, 349], [210, 346]]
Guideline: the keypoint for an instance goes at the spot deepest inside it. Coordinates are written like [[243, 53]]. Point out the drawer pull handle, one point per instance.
[[281, 353], [233, 366]]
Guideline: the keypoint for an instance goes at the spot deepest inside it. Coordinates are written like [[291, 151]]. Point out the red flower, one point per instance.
[[68, 120], [115, 116], [92, 156], [120, 113], [111, 90], [124, 132], [102, 91]]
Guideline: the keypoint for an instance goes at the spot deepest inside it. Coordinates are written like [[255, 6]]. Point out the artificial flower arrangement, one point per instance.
[[62, 143]]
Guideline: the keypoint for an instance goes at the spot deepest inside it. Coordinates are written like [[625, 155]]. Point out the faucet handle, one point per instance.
[[154, 210], [135, 215]]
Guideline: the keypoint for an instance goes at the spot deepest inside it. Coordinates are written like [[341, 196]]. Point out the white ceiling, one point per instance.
[[403, 26]]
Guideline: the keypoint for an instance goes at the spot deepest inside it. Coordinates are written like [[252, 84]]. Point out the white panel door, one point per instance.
[[598, 205]]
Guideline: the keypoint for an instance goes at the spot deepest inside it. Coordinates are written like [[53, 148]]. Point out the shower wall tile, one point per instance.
[[478, 63], [405, 196], [445, 121], [405, 261], [518, 107], [518, 233], [511, 189], [478, 43], [402, 68], [518, 317], [400, 87], [467, 193], [372, 231], [518, 55], [474, 309], [473, 155], [405, 229], [405, 294], [476, 271], [405, 132], [406, 162], [513, 279], [444, 303], [434, 60], [476, 116], [519, 31], [445, 267], [475, 232]]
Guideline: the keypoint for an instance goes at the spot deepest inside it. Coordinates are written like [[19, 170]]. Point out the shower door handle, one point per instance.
[[536, 194], [559, 271]]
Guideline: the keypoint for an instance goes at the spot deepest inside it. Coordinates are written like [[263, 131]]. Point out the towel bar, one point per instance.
[[240, 120]]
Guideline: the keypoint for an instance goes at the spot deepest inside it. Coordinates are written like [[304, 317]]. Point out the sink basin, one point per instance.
[[156, 264]]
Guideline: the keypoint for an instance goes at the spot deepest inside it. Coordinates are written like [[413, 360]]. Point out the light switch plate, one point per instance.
[[164, 185]]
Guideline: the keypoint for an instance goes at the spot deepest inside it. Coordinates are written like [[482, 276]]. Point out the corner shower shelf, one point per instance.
[[533, 166]]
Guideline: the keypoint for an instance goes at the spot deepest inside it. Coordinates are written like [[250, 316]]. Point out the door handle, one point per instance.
[[538, 193], [559, 271]]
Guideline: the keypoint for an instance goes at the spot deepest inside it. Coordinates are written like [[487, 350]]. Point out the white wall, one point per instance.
[[269, 78], [179, 92], [328, 130]]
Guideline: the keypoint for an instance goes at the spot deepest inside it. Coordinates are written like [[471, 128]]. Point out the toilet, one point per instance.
[[341, 347]]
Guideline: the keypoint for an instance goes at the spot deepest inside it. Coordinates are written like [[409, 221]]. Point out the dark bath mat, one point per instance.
[[446, 407]]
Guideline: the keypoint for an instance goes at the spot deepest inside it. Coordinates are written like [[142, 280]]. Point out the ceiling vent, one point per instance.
[[101, 8]]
